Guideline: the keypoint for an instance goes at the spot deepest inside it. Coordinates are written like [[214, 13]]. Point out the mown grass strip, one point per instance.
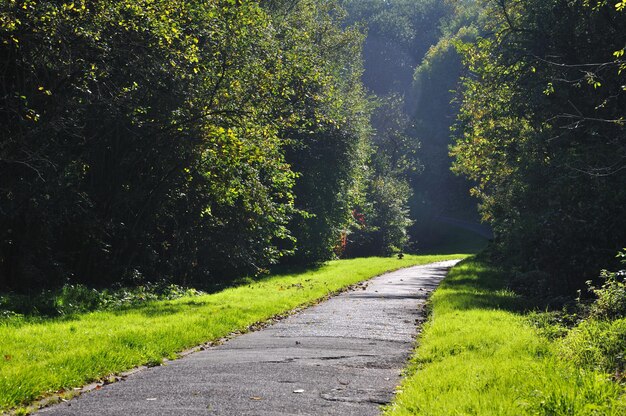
[[43, 357], [479, 355]]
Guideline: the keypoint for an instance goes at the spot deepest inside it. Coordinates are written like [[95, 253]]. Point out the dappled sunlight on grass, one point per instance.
[[468, 287], [478, 355]]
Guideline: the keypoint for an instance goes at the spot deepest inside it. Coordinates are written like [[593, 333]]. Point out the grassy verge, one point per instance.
[[43, 356], [480, 355]]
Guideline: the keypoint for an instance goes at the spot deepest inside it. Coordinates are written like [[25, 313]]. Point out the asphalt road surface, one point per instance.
[[341, 357]]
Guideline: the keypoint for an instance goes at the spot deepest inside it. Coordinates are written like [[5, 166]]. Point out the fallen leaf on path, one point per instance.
[[256, 398]]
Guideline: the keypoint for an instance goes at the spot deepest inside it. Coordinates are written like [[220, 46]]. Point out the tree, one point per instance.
[[147, 139], [438, 192], [542, 132], [381, 219], [410, 56], [327, 148], [399, 33]]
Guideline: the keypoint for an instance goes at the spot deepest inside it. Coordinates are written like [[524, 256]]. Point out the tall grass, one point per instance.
[[479, 355], [51, 354]]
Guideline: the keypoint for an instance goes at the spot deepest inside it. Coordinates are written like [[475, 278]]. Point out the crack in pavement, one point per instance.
[[341, 357], [358, 396]]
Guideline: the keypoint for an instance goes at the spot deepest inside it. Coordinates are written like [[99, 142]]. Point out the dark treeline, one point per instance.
[[534, 94], [195, 142], [542, 129], [435, 101], [410, 60], [182, 140]]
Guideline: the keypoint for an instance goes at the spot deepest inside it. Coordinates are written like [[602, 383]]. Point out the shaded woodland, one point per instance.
[[195, 142], [185, 141]]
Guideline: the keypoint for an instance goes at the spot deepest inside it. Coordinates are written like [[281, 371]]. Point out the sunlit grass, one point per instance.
[[42, 357], [479, 355]]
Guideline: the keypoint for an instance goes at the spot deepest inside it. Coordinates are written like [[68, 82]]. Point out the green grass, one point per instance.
[[597, 344], [47, 355], [480, 355]]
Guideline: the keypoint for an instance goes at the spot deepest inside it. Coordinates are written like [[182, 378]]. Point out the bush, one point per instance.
[[77, 298], [610, 300], [553, 324], [383, 231], [597, 344]]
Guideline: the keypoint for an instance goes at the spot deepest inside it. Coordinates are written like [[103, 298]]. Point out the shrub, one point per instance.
[[610, 300], [77, 298], [597, 344]]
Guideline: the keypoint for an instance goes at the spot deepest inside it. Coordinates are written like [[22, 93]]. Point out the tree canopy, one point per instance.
[[173, 139], [199, 141], [542, 131]]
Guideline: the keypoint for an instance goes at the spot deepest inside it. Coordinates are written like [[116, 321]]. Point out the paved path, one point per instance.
[[342, 357]]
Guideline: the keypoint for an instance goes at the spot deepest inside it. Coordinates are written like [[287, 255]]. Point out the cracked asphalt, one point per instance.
[[341, 357]]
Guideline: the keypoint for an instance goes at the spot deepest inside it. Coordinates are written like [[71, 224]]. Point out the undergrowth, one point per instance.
[[77, 298], [592, 333]]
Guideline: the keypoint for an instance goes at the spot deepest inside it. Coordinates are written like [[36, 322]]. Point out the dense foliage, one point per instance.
[[163, 139], [409, 56], [196, 142], [542, 130], [382, 218], [329, 147], [400, 32], [436, 82]]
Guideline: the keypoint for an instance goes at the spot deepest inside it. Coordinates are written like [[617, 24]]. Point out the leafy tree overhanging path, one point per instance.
[[342, 357]]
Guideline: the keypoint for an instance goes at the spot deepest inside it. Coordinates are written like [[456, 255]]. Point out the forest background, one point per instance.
[[196, 142]]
